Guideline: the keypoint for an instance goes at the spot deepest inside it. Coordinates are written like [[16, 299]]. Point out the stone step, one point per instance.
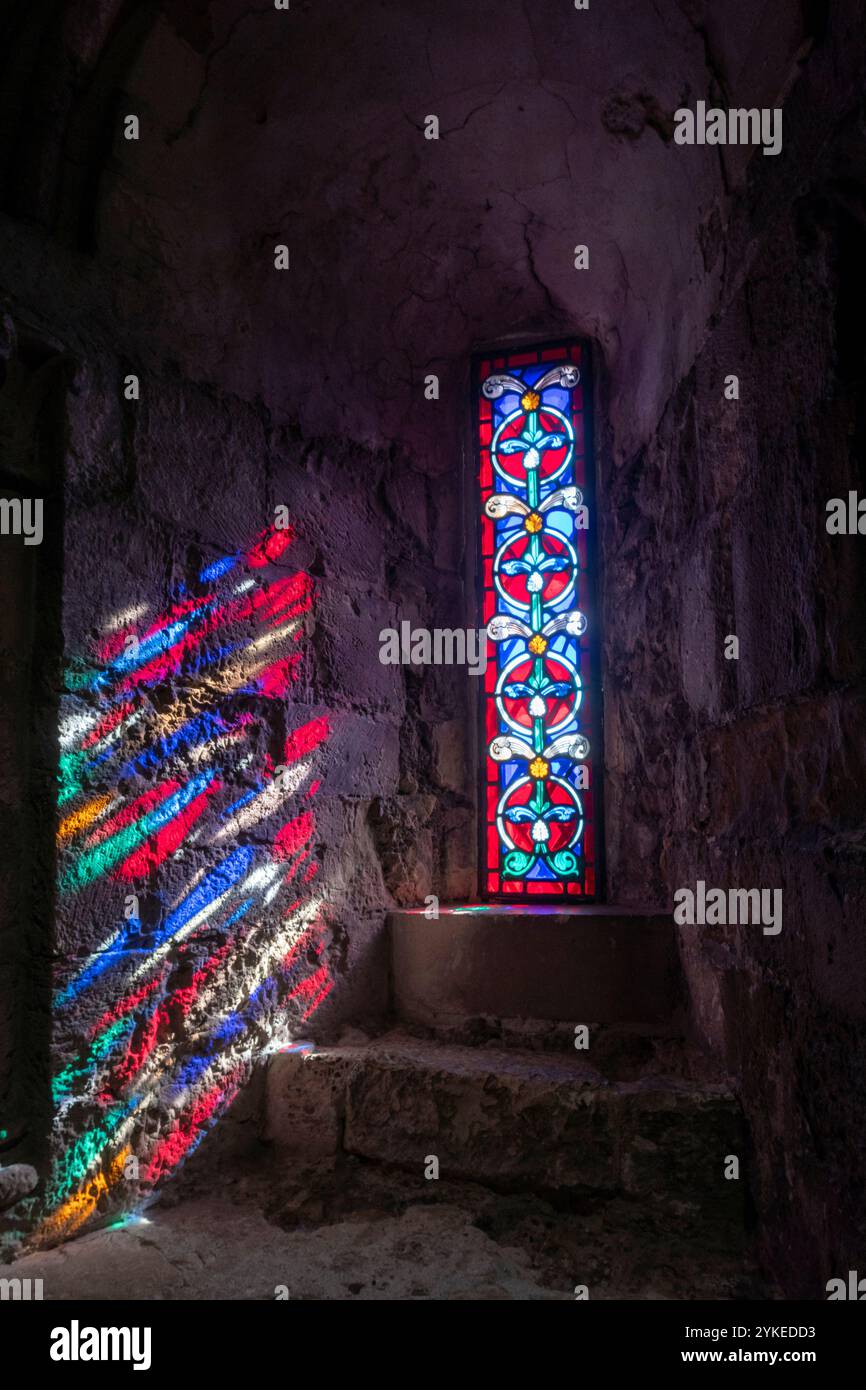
[[589, 965], [516, 1121]]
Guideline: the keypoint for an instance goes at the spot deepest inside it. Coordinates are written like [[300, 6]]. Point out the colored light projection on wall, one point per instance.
[[186, 825], [540, 704]]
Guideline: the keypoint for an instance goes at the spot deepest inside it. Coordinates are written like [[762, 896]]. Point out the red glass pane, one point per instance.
[[490, 720]]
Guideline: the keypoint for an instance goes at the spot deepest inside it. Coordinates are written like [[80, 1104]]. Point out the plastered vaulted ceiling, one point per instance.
[[306, 127]]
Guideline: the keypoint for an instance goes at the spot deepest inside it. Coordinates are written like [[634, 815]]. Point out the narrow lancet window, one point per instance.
[[540, 716]]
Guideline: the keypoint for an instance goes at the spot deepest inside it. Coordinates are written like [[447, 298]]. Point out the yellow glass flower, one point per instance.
[[538, 768], [537, 645], [530, 400], [533, 523]]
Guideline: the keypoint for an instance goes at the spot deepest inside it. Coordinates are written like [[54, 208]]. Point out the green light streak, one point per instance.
[[99, 1049]]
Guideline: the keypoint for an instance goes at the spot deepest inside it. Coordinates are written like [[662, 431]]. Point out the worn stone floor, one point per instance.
[[361, 1232], [315, 1187]]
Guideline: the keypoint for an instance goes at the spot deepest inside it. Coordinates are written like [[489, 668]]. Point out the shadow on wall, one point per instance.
[[174, 981]]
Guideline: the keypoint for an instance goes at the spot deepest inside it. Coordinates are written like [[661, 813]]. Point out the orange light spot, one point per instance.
[[80, 819]]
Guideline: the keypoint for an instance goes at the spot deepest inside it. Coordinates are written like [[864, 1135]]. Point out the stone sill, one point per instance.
[[592, 964], [518, 911]]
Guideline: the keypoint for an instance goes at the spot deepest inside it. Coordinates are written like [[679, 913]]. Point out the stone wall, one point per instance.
[[157, 490], [750, 772]]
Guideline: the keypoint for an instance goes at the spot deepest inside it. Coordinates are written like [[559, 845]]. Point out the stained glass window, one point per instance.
[[540, 716]]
